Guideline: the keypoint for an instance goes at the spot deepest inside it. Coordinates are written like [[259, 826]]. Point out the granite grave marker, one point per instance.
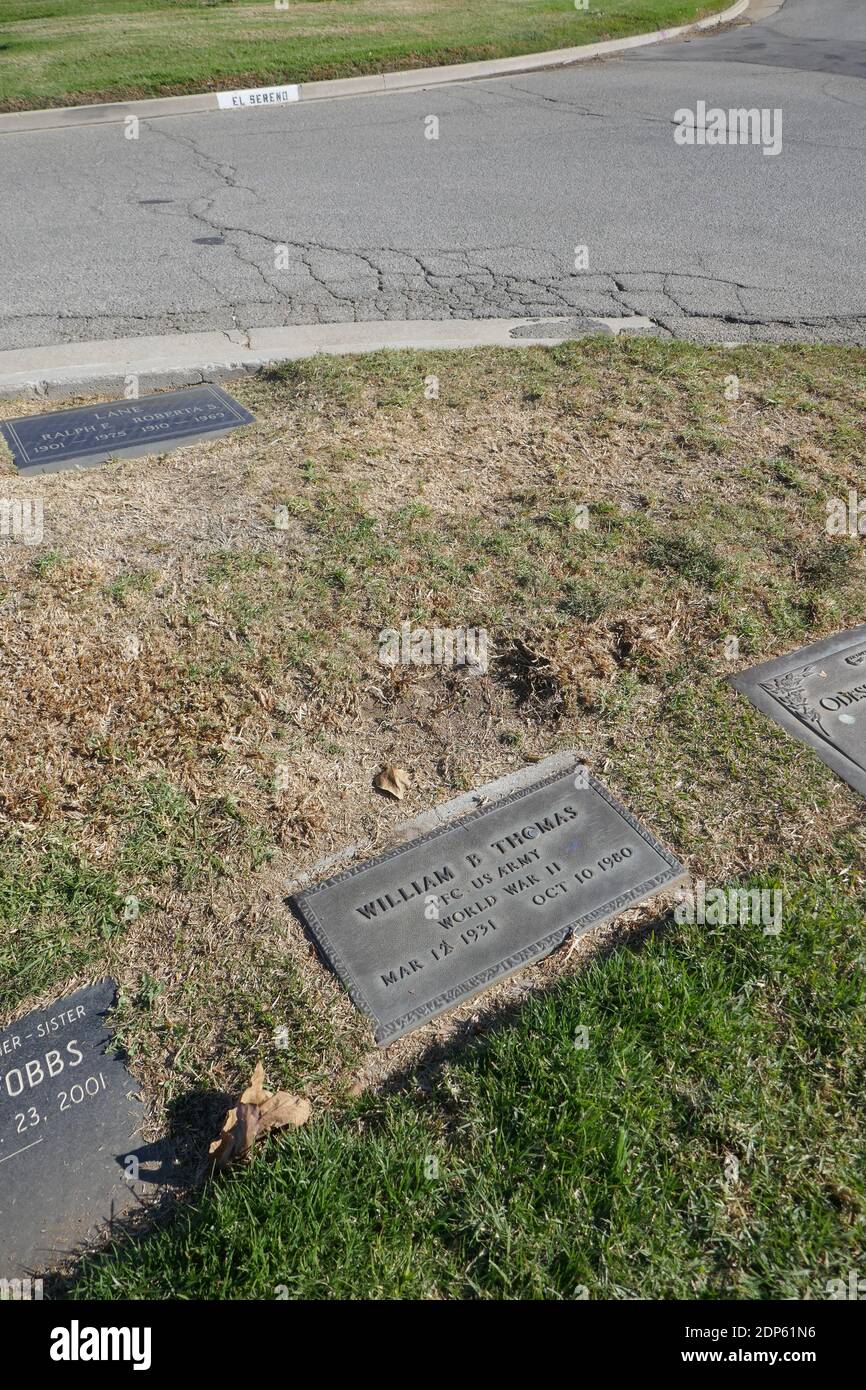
[[68, 1118], [818, 694], [87, 435], [435, 921]]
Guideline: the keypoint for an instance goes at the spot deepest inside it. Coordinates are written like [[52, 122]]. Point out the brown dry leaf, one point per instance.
[[255, 1094], [246, 1129], [238, 1135], [283, 1109], [221, 1149], [393, 780], [257, 1111]]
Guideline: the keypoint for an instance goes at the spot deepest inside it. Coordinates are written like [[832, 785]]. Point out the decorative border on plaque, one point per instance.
[[239, 414], [536, 951], [773, 687], [384, 1032], [788, 689], [472, 985]]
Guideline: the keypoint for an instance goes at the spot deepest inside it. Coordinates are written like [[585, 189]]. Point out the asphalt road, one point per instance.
[[344, 210]]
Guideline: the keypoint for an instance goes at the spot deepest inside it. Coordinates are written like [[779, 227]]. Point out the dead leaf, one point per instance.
[[255, 1094], [393, 780], [221, 1149], [246, 1129], [257, 1111], [238, 1135], [283, 1109]]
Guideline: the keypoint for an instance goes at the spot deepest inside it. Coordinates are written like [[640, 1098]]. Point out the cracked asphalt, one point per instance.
[[342, 210]]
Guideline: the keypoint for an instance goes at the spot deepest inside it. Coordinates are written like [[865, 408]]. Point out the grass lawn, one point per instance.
[[66, 52], [533, 1168], [169, 648]]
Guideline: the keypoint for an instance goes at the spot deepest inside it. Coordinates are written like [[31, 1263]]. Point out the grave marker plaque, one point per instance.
[[90, 434], [437, 920], [818, 694], [68, 1116]]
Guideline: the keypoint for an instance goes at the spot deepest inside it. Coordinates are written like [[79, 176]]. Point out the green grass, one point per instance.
[[57, 910], [564, 1172], [64, 52]]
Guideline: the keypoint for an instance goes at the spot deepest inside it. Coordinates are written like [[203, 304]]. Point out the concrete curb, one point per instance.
[[183, 359], [54, 118]]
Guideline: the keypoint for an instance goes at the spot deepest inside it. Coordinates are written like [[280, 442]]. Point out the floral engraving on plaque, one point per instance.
[[790, 691]]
